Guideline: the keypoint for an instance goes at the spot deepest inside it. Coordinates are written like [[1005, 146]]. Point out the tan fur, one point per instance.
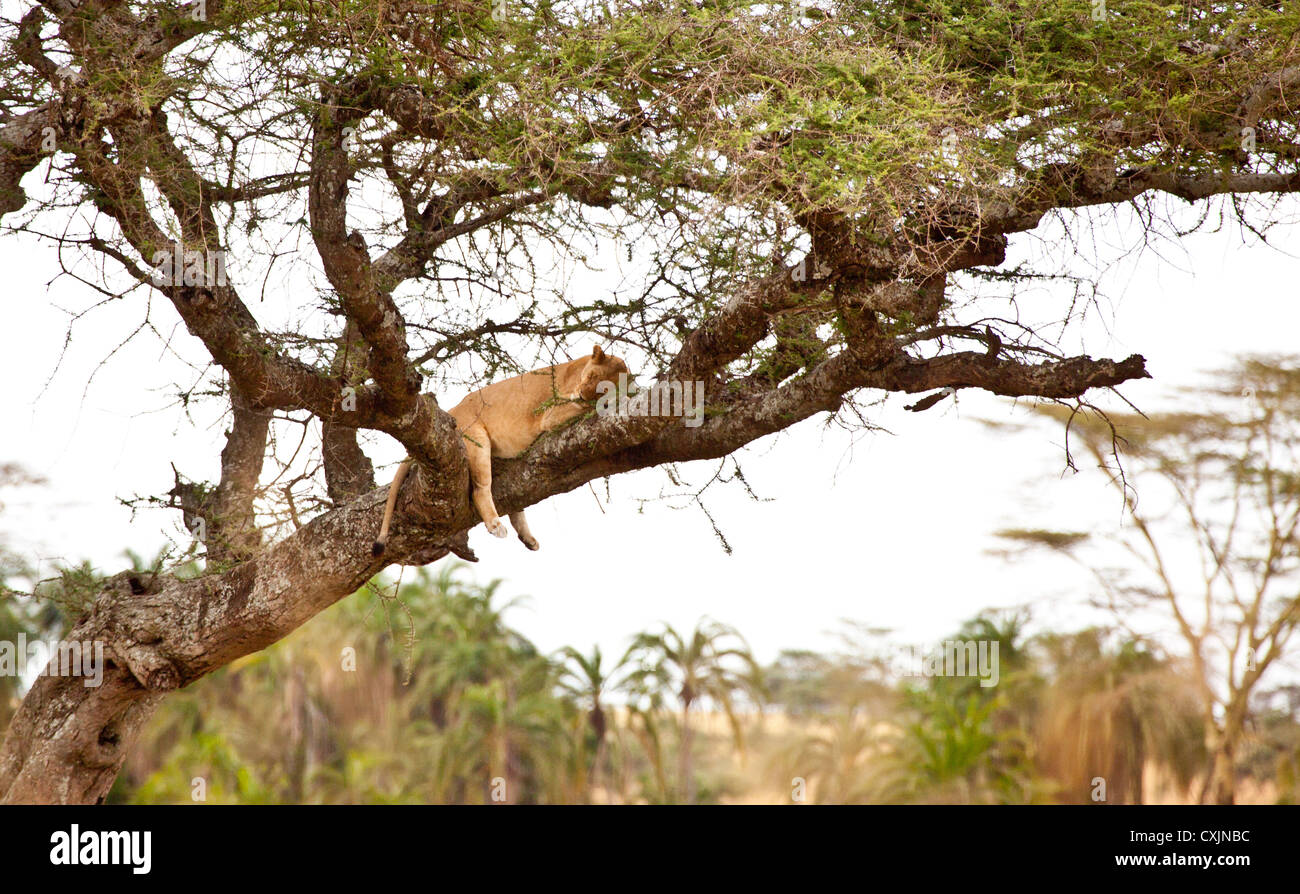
[[382, 539], [505, 418]]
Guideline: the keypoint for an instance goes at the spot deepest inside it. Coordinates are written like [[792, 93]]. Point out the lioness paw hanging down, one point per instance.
[[505, 418]]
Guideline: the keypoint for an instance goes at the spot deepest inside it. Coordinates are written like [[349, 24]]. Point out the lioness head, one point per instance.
[[601, 367]]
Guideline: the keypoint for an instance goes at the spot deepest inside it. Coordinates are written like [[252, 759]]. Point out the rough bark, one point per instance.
[[105, 109]]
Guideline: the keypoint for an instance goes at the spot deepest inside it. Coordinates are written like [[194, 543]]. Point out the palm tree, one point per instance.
[[955, 752], [583, 678], [713, 663], [482, 683], [517, 726]]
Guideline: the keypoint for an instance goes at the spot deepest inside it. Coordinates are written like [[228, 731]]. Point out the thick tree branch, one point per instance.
[[169, 638]]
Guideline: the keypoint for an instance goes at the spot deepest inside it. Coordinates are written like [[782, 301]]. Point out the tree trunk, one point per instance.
[[68, 740], [1222, 788], [686, 759], [597, 720], [1222, 783]]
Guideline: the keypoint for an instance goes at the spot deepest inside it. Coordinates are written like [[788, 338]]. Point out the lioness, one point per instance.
[[505, 418]]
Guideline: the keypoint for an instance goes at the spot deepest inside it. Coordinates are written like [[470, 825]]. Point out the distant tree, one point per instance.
[[587, 680], [839, 758], [713, 664], [964, 742], [1212, 544], [1111, 712], [805, 682], [798, 681], [1274, 753]]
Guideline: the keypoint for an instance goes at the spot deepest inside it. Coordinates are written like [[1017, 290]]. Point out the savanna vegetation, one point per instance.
[[332, 213], [423, 693]]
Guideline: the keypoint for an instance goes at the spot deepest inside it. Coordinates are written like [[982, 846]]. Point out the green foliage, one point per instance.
[[718, 131], [1057, 540], [1066, 709], [712, 664], [448, 702]]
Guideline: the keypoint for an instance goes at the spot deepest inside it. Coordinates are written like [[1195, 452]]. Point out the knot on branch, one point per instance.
[[131, 630], [150, 668], [133, 583], [357, 243], [105, 746]]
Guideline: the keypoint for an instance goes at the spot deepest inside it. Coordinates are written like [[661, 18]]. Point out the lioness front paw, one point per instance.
[[530, 542], [498, 528]]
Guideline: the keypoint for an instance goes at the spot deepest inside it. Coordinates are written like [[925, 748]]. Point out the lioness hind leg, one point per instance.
[[479, 449], [520, 524]]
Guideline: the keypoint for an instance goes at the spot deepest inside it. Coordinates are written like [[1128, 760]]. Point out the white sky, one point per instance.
[[888, 529]]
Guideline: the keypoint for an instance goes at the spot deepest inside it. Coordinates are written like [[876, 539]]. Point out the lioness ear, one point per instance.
[[597, 354]]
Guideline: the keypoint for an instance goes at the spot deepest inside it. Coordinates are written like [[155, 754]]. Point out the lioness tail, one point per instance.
[[382, 540]]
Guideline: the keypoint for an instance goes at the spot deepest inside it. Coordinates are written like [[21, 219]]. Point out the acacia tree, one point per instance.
[[809, 195], [1213, 545]]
